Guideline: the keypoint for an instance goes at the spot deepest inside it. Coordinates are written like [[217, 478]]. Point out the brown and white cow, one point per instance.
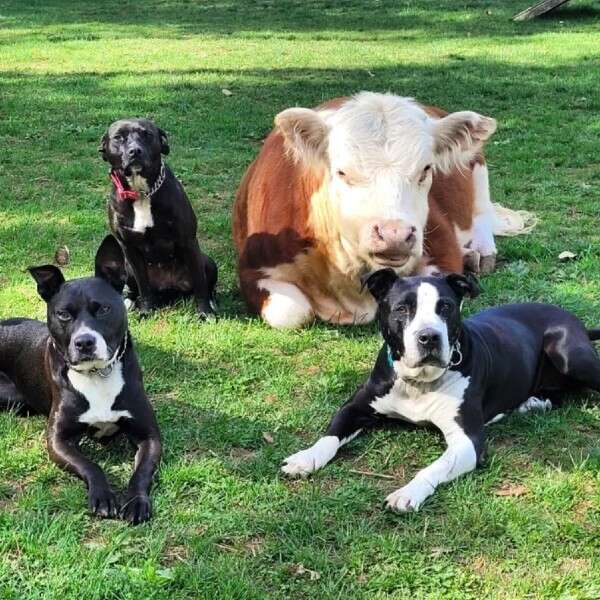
[[354, 185]]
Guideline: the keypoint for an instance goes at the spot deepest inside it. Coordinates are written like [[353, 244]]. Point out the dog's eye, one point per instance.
[[401, 309], [63, 315], [445, 307], [103, 310]]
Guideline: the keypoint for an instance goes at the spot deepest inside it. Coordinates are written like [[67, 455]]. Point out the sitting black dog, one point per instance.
[[153, 220], [457, 376], [82, 372]]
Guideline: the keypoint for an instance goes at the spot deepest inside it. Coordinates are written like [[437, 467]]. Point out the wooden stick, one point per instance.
[[371, 474], [538, 9]]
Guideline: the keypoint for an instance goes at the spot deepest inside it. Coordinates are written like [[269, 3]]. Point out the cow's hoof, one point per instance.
[[487, 264], [471, 260]]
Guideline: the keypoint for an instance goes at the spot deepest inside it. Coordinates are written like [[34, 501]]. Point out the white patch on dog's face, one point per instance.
[[426, 317], [101, 355]]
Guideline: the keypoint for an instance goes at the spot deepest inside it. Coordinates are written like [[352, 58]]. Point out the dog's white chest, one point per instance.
[[101, 393], [142, 214], [438, 405]]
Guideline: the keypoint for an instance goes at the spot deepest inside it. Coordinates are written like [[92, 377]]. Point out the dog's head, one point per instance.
[[86, 317], [134, 146], [419, 318]]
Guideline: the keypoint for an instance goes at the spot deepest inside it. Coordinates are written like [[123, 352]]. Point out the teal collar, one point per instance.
[[390, 358]]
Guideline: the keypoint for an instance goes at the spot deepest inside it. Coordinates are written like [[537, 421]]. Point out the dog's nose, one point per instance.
[[428, 338], [85, 342], [134, 151]]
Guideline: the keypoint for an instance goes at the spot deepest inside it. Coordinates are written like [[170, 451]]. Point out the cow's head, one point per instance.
[[379, 153]]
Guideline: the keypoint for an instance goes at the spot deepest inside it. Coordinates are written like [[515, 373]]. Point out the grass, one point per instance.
[[227, 525]]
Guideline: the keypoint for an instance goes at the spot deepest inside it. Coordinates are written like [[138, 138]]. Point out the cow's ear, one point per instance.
[[459, 137], [110, 263], [164, 142], [48, 278], [103, 147], [305, 134], [464, 285], [380, 282]]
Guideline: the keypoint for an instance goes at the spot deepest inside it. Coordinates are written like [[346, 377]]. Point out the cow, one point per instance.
[[354, 185]]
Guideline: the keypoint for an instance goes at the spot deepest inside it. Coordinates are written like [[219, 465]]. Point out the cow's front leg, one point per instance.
[[347, 423], [461, 456]]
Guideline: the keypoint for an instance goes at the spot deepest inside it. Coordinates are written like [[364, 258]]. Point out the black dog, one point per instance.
[[153, 220], [457, 376], [82, 372]]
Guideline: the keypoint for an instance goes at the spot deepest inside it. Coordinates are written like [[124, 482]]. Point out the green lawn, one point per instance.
[[234, 398]]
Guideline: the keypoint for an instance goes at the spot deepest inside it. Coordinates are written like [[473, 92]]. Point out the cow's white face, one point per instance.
[[379, 152]]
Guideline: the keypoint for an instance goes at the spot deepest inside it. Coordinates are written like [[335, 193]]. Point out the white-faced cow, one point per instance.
[[357, 184]]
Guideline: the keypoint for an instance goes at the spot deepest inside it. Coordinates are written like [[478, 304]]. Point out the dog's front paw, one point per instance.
[[136, 508], [307, 461], [301, 464], [145, 306], [102, 502], [410, 497], [206, 311]]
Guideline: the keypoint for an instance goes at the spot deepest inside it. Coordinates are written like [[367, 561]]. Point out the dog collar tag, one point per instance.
[[121, 191]]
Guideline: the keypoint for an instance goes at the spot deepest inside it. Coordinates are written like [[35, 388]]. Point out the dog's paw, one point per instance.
[[307, 461], [136, 509], [103, 503], [206, 313], [145, 306], [301, 464], [534, 403], [410, 497]]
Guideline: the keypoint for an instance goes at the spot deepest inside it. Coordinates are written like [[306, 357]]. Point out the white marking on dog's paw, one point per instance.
[[307, 461], [129, 304], [534, 403], [410, 497]]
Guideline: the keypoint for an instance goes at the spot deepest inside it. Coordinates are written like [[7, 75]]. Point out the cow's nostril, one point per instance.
[[377, 232]]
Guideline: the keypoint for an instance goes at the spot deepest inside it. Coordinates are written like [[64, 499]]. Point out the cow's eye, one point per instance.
[[425, 173], [63, 315], [103, 310]]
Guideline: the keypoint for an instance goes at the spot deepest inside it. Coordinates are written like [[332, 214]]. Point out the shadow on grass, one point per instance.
[[255, 18]]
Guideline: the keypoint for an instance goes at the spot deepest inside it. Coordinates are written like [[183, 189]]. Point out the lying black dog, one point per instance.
[[82, 372], [153, 220], [457, 376]]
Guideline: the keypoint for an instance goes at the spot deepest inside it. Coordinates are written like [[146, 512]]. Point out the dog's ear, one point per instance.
[[164, 142], [379, 282], [110, 263], [464, 285], [48, 278], [103, 147]]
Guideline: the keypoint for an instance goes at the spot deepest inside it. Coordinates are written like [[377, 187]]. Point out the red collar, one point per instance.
[[122, 193]]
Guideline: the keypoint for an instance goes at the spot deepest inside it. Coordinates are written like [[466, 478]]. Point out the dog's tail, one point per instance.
[[508, 222], [594, 334]]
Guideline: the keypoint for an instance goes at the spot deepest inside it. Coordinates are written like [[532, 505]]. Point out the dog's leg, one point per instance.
[[64, 451], [573, 355], [136, 507], [11, 399], [197, 267], [347, 423], [137, 264], [461, 456]]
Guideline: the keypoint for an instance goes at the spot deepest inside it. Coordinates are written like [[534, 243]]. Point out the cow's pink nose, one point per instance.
[[394, 232]]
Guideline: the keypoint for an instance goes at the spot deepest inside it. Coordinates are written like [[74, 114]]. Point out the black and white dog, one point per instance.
[[457, 376], [153, 220], [80, 369]]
